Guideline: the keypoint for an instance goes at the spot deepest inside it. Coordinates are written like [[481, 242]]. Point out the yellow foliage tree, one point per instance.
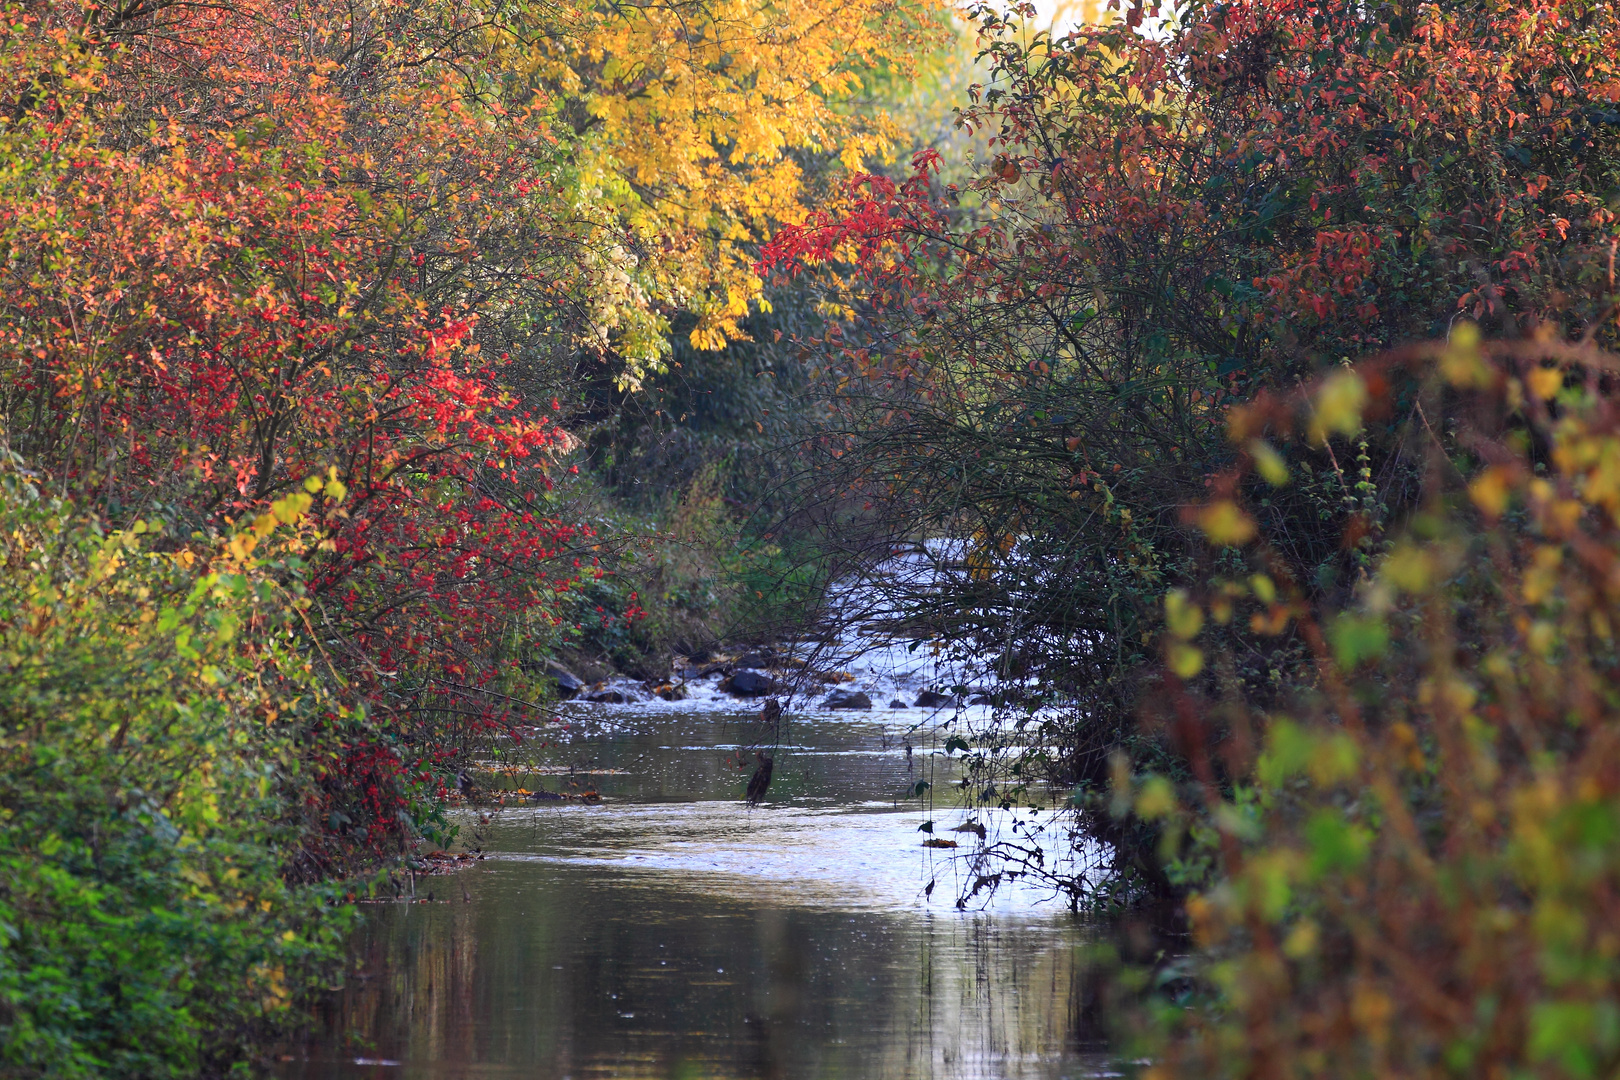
[[697, 122]]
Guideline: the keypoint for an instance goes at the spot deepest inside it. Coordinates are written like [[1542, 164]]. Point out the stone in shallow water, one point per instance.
[[898, 704], [932, 699], [749, 683], [844, 699], [568, 684]]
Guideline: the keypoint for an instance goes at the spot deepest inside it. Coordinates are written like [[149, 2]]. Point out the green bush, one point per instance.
[[682, 576], [156, 719]]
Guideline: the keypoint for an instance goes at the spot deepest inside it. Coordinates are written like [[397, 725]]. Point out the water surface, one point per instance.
[[671, 931]]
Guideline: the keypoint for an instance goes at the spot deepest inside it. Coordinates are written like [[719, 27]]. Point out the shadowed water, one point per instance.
[[672, 931]]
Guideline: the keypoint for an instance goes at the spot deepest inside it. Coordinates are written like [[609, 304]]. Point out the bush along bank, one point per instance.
[[1407, 863], [659, 585], [166, 739]]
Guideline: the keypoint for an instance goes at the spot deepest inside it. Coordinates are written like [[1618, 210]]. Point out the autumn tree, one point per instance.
[[704, 126], [257, 246], [1042, 362]]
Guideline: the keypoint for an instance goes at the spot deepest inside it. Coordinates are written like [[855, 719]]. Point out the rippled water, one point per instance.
[[673, 931]]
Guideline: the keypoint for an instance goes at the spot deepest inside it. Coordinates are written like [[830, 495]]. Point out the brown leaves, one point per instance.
[[1006, 169]]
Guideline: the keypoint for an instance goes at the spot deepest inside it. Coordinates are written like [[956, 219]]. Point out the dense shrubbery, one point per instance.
[[251, 243], [164, 738], [1406, 862], [347, 264], [1329, 649]]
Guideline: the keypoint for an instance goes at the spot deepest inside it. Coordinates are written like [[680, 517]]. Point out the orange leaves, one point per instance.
[[1489, 491], [1006, 169], [1338, 267]]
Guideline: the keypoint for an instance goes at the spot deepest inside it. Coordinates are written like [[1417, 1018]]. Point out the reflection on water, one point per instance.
[[671, 931]]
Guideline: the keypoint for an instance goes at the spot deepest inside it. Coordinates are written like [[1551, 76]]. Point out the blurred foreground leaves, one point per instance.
[[1408, 862]]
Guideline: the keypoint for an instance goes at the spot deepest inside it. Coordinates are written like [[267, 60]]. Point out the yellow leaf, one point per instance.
[[1225, 524], [1268, 463], [1544, 382], [1185, 660], [1301, 940], [1490, 490], [1409, 568], [1339, 403], [242, 545], [1461, 363], [1157, 799], [1181, 615], [289, 509], [1541, 577], [1264, 588]]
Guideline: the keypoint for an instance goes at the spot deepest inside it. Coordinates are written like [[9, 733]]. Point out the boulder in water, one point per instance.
[[749, 683], [845, 699], [568, 684], [932, 699], [898, 704]]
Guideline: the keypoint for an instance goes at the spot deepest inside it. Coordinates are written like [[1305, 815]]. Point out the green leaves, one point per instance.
[[1293, 749], [1358, 638], [1582, 1036], [143, 723], [1334, 844]]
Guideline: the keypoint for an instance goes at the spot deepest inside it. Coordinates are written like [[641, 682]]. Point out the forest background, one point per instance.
[[357, 361]]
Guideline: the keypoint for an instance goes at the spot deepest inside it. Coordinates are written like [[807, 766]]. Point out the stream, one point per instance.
[[671, 930]]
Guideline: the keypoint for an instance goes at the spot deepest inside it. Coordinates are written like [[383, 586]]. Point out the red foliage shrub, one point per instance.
[[253, 244]]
